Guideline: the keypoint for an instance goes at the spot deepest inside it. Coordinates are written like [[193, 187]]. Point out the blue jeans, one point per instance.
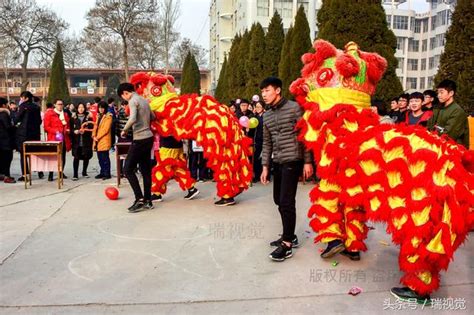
[[104, 162]]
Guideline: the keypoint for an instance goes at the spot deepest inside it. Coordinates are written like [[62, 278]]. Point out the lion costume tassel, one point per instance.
[[203, 119], [416, 182]]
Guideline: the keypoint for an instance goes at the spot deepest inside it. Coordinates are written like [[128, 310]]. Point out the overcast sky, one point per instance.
[[193, 22]]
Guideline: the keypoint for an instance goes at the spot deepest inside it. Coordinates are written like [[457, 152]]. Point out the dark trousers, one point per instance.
[[21, 163], [75, 163], [285, 183], [257, 162], [139, 154], [6, 157], [104, 163], [197, 165], [63, 158]]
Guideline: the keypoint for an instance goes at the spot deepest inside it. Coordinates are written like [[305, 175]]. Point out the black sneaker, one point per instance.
[[21, 179], [281, 253], [40, 175], [50, 178], [334, 247], [193, 192], [407, 294], [106, 177], [148, 205], [158, 198], [85, 175], [351, 255], [64, 176], [225, 202], [99, 176], [137, 206], [74, 178], [294, 242]]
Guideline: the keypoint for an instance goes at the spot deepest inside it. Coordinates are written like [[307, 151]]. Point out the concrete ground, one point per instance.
[[72, 251]]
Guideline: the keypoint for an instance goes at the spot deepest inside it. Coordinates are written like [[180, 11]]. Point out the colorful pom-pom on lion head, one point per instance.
[[331, 76], [156, 87]]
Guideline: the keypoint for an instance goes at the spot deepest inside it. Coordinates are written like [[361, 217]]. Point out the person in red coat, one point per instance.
[[56, 126]]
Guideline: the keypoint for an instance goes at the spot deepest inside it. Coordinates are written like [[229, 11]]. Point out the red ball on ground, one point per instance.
[[112, 193]]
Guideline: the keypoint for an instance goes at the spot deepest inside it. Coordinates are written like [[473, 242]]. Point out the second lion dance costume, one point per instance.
[[171, 163], [201, 118], [420, 185]]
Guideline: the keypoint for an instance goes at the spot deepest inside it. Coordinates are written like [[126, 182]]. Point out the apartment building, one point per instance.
[[420, 35]]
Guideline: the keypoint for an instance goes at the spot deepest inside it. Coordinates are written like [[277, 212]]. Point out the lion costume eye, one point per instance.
[[324, 76], [155, 90]]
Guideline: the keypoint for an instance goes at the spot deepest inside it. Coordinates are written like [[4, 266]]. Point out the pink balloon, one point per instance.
[[244, 121], [59, 136]]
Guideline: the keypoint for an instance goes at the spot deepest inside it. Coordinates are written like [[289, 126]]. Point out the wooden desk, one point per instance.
[[42, 148], [121, 151]]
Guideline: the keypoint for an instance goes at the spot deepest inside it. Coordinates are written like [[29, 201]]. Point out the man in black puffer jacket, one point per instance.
[[28, 125], [280, 141]]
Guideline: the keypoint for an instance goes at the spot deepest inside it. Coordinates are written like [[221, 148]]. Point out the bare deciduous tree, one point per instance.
[[146, 51], [31, 28], [75, 52], [126, 19], [106, 52], [9, 56], [168, 14], [182, 49]]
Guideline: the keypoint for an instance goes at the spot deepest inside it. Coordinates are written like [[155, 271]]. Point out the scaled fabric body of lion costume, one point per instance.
[[203, 119], [419, 184]]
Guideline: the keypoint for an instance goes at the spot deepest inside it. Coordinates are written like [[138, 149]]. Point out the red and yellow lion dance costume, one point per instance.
[[203, 119], [420, 185]]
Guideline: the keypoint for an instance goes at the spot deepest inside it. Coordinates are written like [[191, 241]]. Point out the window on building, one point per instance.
[[422, 83], [440, 40], [412, 23], [263, 7], [417, 26], [389, 20], [436, 61], [413, 45], [425, 25], [400, 63], [430, 82], [433, 43], [305, 5], [412, 64], [284, 8], [423, 64], [401, 43], [411, 83], [401, 80], [35, 82], [424, 45], [442, 17], [400, 22], [431, 63], [433, 22]]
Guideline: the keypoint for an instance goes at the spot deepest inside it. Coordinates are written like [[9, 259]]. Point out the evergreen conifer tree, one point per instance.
[[58, 83], [284, 65], [256, 61], [457, 60], [363, 22], [221, 88], [300, 44], [273, 45]]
